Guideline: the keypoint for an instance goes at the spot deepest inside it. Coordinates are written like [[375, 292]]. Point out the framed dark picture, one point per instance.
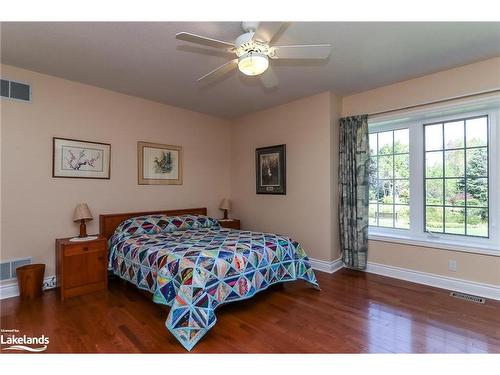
[[270, 164], [74, 158]]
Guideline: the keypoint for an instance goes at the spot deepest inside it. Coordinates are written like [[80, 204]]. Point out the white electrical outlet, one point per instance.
[[452, 265]]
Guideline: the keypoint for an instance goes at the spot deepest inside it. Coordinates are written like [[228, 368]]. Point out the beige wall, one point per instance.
[[463, 80], [335, 113], [304, 213], [37, 208], [474, 267]]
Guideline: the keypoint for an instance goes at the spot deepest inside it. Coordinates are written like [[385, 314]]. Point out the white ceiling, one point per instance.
[[145, 59]]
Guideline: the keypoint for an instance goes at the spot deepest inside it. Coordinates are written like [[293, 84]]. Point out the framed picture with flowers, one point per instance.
[[73, 158], [159, 164]]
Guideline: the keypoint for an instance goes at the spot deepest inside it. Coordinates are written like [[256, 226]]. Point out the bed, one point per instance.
[[188, 262]]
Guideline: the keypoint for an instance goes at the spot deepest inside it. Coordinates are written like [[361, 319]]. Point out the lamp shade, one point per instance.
[[82, 212], [225, 204]]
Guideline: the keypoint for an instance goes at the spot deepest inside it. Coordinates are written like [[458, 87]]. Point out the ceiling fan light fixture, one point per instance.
[[253, 63]]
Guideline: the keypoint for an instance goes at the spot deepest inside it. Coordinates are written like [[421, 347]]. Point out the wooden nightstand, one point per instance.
[[230, 223], [81, 267]]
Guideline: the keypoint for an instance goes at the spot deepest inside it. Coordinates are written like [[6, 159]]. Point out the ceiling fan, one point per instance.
[[253, 50]]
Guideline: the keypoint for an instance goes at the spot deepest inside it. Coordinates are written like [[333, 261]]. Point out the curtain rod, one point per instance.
[[434, 102]]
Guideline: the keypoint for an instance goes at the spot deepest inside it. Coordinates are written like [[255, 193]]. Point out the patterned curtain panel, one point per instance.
[[353, 185]]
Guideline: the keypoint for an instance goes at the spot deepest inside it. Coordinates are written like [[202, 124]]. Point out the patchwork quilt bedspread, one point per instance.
[[193, 265]]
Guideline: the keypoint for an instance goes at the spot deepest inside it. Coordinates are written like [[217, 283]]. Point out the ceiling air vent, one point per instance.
[[16, 90]]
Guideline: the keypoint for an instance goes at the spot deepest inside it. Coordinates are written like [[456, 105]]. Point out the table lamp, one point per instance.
[[82, 214], [225, 205]]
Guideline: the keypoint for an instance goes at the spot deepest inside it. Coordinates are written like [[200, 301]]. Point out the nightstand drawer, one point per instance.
[[82, 248]]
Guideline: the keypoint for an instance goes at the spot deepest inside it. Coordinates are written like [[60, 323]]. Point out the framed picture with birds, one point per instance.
[[159, 164]]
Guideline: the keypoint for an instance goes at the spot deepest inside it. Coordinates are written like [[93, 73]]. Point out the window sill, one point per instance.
[[435, 243]]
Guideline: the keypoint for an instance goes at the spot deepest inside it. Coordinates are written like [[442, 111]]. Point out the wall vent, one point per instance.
[[15, 90], [468, 297], [8, 268]]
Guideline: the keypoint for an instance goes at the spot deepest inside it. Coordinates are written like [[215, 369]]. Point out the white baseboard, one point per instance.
[[325, 266], [12, 290], [438, 281]]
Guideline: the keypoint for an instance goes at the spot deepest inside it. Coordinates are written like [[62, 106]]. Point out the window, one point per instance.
[[389, 179], [433, 174], [456, 177]]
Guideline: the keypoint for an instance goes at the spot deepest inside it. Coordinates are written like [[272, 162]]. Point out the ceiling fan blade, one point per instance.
[[218, 72], [269, 79], [305, 51], [266, 31], [193, 38]]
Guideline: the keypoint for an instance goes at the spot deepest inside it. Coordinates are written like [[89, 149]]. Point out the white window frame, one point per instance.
[[391, 128], [415, 121]]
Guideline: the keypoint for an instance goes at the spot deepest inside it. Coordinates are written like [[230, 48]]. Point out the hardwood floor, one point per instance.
[[353, 313]]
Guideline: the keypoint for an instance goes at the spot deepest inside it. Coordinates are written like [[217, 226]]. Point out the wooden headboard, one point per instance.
[[109, 222]]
